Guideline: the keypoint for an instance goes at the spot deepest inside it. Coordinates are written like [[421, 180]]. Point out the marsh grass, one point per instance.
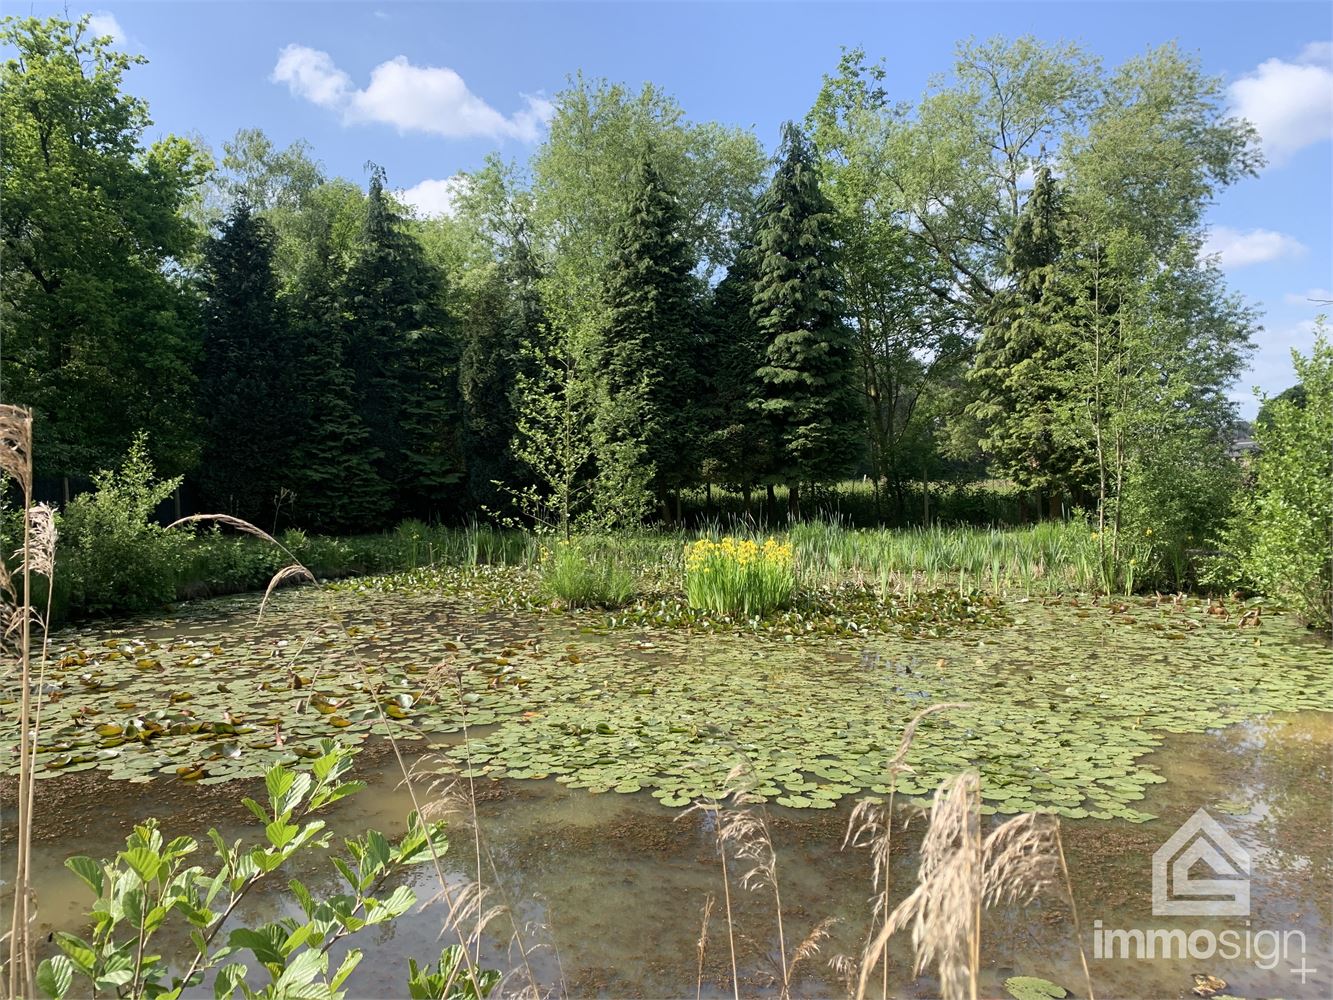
[[589, 572], [742, 828], [36, 557]]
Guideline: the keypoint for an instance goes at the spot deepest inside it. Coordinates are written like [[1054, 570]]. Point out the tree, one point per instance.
[[403, 359], [584, 180], [335, 464], [645, 425], [1285, 525], [911, 336], [248, 396], [737, 445], [99, 330], [267, 178], [809, 369], [1020, 367]]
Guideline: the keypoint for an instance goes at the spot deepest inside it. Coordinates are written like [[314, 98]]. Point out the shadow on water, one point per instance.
[[613, 885]]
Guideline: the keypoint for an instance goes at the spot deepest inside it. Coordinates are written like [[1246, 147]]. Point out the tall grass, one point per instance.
[[586, 573], [18, 614]]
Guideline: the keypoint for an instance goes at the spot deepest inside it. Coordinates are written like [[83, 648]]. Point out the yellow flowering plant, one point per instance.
[[738, 576]]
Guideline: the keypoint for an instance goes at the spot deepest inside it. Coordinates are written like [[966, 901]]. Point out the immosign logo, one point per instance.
[[1177, 892]]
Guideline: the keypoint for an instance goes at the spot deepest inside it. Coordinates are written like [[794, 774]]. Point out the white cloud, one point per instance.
[[1234, 248], [434, 197], [105, 23], [1310, 297], [1290, 103], [431, 99], [1319, 53], [312, 74]]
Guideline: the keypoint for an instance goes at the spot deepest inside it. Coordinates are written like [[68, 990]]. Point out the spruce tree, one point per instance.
[[809, 368], [337, 484], [245, 386], [737, 440], [645, 423], [404, 360], [1020, 370], [506, 313]]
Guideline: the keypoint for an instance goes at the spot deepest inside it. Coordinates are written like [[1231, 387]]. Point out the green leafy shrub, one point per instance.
[[113, 556], [447, 981], [1284, 531], [585, 573], [152, 886], [739, 576]]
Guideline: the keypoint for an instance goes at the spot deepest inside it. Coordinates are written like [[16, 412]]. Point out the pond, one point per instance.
[[587, 737]]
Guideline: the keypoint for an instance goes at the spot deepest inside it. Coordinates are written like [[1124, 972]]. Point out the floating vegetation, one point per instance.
[[1066, 699]]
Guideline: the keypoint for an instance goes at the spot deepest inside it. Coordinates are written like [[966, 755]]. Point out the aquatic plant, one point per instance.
[[585, 573], [738, 576], [152, 885]]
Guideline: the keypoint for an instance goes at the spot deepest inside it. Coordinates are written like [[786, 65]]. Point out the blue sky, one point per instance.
[[428, 90]]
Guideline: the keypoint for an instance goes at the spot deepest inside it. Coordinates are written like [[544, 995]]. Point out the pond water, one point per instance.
[[1125, 719]]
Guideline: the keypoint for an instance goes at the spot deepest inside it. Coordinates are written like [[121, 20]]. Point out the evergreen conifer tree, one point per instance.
[[404, 360], [1021, 366], [646, 426], [809, 369], [246, 386], [337, 485], [737, 440]]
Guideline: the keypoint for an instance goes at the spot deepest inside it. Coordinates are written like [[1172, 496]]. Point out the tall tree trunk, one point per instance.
[[793, 501], [772, 498]]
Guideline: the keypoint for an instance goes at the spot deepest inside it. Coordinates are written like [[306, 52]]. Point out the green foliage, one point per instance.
[[910, 336], [586, 572], [1020, 371], [584, 180], [553, 432], [99, 331], [644, 427], [249, 397], [114, 557], [335, 478], [403, 359], [151, 887], [1285, 527], [447, 980], [809, 372], [739, 577]]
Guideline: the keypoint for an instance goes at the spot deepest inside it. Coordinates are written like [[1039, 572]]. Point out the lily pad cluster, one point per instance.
[[1065, 700]]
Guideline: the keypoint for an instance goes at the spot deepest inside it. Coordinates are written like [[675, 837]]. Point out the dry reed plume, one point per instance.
[[871, 825], [961, 872]]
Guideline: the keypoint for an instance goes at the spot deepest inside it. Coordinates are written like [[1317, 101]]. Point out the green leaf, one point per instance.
[[350, 961], [398, 903], [144, 861], [229, 977], [1032, 988], [302, 970], [80, 952], [279, 833], [55, 976], [88, 870], [278, 781]]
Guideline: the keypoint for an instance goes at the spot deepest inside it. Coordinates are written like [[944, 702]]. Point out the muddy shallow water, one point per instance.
[[609, 888]]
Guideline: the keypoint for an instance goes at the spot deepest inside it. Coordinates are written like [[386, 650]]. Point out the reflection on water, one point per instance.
[[612, 886]]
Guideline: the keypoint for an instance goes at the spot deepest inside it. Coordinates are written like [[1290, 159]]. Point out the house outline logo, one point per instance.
[[1176, 893]]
